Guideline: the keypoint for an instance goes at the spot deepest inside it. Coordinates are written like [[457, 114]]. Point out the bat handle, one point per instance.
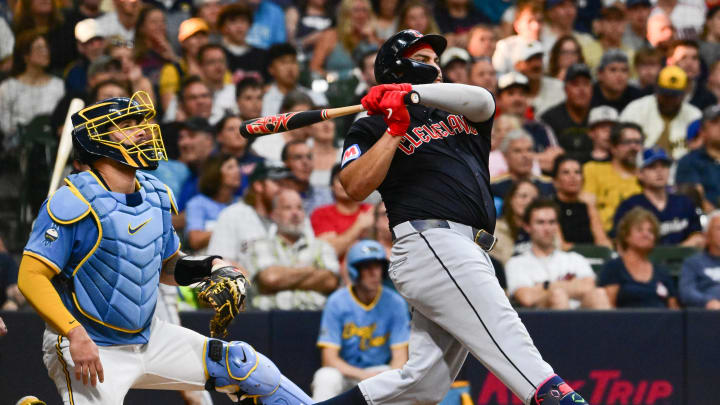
[[412, 97]]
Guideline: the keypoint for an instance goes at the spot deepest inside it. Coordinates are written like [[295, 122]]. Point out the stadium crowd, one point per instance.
[[605, 146]]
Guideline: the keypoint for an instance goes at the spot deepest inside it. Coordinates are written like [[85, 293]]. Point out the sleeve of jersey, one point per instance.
[[34, 282], [330, 325], [400, 334], [360, 138], [50, 242]]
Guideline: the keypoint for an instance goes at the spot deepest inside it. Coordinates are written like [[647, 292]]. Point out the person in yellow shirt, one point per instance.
[[609, 183]]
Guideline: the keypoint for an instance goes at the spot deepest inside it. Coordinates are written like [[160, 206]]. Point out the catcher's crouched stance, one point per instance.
[[91, 268]]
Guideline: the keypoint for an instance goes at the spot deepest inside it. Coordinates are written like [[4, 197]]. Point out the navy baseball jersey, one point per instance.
[[678, 220], [439, 171]]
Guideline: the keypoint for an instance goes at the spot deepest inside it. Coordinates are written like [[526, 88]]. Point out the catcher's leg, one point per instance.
[[236, 368]]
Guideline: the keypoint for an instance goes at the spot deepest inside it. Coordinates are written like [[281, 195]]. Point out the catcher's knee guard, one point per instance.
[[555, 391], [236, 368]]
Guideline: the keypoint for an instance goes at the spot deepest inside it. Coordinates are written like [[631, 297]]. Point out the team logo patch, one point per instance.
[[350, 154], [51, 235]]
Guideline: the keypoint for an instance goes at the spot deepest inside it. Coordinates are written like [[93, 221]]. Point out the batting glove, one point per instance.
[[371, 101], [395, 112]]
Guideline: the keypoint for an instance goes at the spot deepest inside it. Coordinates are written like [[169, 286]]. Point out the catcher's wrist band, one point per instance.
[[192, 269]]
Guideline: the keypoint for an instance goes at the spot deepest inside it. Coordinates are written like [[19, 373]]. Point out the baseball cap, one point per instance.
[[269, 170], [190, 27], [612, 56], [576, 70], [672, 80], [633, 3], [653, 155], [602, 114], [87, 29], [511, 79], [452, 54], [532, 49]]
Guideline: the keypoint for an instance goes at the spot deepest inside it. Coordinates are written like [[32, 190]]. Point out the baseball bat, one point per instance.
[[65, 145], [275, 124]]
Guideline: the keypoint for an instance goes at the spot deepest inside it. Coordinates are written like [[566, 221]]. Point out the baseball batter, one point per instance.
[[91, 268], [430, 164]]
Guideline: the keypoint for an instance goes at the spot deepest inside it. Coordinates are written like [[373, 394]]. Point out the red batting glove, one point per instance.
[[371, 101], [393, 107]]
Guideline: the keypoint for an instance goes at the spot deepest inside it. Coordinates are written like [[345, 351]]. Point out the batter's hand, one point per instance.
[[393, 107], [371, 101], [85, 355]]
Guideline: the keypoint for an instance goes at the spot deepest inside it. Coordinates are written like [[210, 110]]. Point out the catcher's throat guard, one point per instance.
[[235, 368], [104, 129]]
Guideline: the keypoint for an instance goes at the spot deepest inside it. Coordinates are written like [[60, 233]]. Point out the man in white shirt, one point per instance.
[[121, 22], [547, 277]]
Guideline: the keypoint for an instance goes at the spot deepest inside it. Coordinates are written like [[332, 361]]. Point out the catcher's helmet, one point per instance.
[[391, 65], [362, 252], [97, 132]]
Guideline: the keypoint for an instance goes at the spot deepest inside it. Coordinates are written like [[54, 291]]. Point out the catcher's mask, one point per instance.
[[102, 130]]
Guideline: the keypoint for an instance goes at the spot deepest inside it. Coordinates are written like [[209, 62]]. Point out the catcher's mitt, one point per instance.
[[224, 291]]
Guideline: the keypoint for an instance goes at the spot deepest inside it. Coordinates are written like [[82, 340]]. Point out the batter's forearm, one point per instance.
[[364, 175], [474, 102]]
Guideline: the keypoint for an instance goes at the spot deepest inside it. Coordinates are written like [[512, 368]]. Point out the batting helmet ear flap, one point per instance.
[[414, 72], [392, 65]]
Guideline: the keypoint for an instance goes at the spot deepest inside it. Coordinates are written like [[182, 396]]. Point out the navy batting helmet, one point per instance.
[[392, 65], [102, 130], [363, 252]]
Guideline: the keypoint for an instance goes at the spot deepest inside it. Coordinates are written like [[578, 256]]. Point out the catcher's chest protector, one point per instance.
[[116, 285]]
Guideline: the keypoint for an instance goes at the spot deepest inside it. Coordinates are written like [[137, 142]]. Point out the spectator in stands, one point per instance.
[[343, 223], [230, 142], [152, 45], [196, 143], [545, 92], [129, 70], [455, 18], [11, 299], [365, 59], [297, 157], [122, 21], [637, 13], [110, 89], [249, 94], [659, 29], [30, 91], [609, 28], [676, 213], [336, 46], [511, 237], [417, 15], [3, 328], [576, 217], [268, 27], [564, 53], [243, 60], [7, 42], [365, 328], [632, 280], [194, 100], [271, 146], [569, 119], [482, 73], [91, 45], [607, 184], [503, 125], [208, 11], [192, 35], [454, 63], [381, 228], [612, 87], [700, 167], [601, 121], [305, 23], [648, 63], [686, 55], [710, 38], [290, 269], [284, 69], [386, 18], [664, 116], [243, 222], [687, 18], [547, 277], [528, 25], [511, 98], [218, 182], [700, 277], [325, 153], [560, 20], [482, 40], [46, 17], [517, 147], [213, 68]]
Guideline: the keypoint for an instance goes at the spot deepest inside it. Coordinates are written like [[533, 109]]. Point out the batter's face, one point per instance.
[[428, 56]]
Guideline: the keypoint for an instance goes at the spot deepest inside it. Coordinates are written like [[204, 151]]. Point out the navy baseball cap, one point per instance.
[[576, 70], [653, 155], [269, 170], [612, 56]]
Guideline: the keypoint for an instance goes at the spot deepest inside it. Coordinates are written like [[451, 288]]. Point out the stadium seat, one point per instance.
[[596, 255], [672, 257]]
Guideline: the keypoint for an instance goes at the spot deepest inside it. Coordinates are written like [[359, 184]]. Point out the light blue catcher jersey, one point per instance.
[[365, 334], [108, 254]]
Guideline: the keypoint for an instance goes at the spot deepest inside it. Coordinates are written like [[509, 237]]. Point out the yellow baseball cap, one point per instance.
[[190, 27], [672, 80]]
